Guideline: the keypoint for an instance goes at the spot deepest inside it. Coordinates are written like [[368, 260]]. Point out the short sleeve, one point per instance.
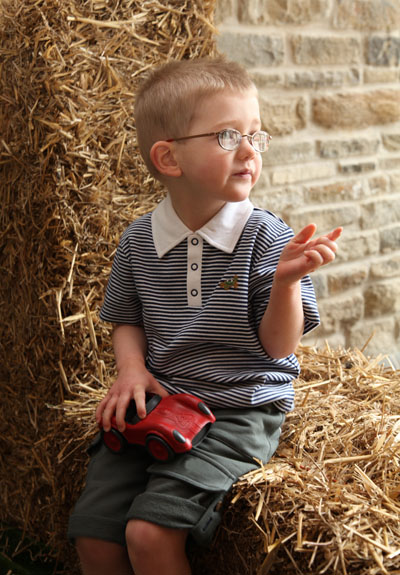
[[121, 302], [261, 279]]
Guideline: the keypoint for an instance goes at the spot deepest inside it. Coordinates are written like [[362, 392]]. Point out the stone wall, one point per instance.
[[328, 75]]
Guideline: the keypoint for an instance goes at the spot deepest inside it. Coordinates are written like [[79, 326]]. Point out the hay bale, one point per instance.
[[71, 179], [329, 500]]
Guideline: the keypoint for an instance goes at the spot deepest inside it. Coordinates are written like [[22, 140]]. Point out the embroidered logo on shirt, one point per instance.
[[231, 283]]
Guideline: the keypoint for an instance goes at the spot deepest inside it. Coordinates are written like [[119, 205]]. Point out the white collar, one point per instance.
[[222, 231]]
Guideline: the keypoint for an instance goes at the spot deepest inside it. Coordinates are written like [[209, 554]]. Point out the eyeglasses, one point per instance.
[[230, 139]]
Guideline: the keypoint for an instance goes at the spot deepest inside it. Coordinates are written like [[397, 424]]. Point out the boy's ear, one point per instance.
[[163, 158]]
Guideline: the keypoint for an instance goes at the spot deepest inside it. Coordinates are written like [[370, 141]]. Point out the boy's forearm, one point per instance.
[[130, 346], [282, 325]]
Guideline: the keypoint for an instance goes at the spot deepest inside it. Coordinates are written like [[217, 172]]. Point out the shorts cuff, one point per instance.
[[167, 510], [96, 528]]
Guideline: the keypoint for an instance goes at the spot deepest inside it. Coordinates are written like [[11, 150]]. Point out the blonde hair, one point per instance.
[[167, 99]]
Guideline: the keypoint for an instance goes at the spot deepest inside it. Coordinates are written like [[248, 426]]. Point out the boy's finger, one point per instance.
[[305, 234], [140, 400], [100, 409], [120, 411], [108, 413], [321, 254], [335, 234], [322, 241]]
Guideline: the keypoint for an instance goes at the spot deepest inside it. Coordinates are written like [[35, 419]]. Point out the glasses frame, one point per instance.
[[250, 138]]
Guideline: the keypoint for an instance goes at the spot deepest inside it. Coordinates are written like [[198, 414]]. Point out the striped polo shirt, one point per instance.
[[200, 297]]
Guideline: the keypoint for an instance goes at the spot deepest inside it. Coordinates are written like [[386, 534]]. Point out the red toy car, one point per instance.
[[173, 424]]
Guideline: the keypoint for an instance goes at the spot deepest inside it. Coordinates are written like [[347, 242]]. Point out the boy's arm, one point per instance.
[[282, 325], [133, 381]]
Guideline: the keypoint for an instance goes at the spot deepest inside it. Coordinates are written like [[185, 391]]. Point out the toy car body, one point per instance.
[[173, 425]]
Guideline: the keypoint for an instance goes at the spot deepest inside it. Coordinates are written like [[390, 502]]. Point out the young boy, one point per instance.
[[209, 296]]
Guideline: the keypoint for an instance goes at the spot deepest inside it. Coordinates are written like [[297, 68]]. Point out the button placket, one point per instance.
[[194, 257]]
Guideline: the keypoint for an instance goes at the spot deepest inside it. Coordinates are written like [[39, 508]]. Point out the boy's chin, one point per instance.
[[238, 195]]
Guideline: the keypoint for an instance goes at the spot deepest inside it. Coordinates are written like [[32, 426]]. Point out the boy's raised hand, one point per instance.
[[303, 255]]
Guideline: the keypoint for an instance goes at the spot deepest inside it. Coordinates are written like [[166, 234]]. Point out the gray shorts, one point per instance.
[[182, 494]]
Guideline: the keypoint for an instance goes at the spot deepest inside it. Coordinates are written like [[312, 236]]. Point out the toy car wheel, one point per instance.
[[114, 441], [158, 448]]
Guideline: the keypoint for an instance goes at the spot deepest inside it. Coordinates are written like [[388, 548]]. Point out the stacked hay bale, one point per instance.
[[329, 500], [71, 179]]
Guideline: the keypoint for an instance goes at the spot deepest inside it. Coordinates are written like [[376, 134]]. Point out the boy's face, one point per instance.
[[208, 170]]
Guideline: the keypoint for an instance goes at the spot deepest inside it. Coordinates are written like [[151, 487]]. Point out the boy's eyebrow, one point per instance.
[[231, 124]]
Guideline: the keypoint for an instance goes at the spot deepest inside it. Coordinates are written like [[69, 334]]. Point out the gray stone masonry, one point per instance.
[[328, 75]]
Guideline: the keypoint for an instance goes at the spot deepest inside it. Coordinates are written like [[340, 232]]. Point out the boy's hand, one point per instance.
[[303, 255], [131, 383]]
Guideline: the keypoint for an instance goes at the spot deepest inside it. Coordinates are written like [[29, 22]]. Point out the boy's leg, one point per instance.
[[98, 522], [184, 495], [98, 557], [154, 549]]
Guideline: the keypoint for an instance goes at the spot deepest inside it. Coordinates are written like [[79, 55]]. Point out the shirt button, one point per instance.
[[194, 267], [195, 241], [194, 292]]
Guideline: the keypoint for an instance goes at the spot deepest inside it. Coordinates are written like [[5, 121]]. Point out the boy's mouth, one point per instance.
[[243, 173]]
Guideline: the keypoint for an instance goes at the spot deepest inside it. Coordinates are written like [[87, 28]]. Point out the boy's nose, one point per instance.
[[245, 147]]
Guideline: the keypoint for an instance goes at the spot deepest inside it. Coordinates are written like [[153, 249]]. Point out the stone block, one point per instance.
[[254, 12], [314, 78], [341, 311], [395, 182], [255, 49], [379, 333], [389, 163], [318, 339], [390, 238], [383, 50], [325, 50], [341, 191], [391, 142], [325, 217], [378, 185], [366, 15], [357, 110], [358, 244], [387, 267], [339, 147], [382, 298], [289, 153], [380, 212], [380, 75], [291, 174], [295, 11], [341, 278], [358, 167], [225, 11], [282, 115], [280, 201], [265, 79], [320, 283]]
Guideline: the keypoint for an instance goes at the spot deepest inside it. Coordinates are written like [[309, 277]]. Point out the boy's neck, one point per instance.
[[195, 214]]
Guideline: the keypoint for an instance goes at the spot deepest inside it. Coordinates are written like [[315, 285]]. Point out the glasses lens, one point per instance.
[[229, 139], [260, 141]]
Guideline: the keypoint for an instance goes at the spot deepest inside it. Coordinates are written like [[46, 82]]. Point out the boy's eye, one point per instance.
[[229, 138]]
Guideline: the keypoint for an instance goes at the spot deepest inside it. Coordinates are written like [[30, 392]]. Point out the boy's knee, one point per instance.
[[143, 537]]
